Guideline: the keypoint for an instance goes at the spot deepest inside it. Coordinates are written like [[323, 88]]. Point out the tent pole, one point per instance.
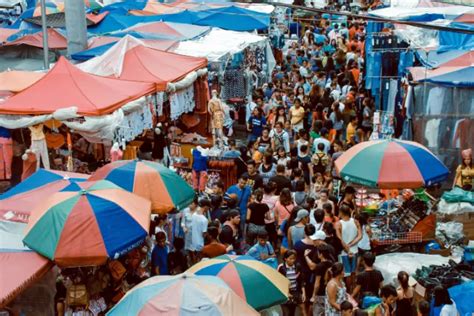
[[45, 35], [76, 26]]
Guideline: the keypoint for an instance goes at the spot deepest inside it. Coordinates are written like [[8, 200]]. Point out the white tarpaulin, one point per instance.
[[110, 63], [401, 13], [392, 263], [219, 44]]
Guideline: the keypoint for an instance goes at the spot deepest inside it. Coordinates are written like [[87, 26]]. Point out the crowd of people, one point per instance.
[[288, 208]]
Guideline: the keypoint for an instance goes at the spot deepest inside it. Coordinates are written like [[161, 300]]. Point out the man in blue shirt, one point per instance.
[[242, 192], [159, 256], [256, 124]]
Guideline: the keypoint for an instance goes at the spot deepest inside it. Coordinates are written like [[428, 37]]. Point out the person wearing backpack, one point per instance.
[[280, 137], [320, 160]]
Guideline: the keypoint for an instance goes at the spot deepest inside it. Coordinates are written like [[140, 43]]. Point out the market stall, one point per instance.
[[394, 164]]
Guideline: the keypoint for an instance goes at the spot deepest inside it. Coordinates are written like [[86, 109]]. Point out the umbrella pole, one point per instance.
[[45, 34]]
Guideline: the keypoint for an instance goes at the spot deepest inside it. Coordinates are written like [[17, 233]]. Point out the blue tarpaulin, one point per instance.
[[93, 52], [455, 40], [462, 295], [462, 78], [228, 18]]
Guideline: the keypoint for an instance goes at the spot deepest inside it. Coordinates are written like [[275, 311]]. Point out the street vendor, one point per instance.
[[464, 172]]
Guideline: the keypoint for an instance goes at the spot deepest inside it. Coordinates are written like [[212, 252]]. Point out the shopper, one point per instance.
[[199, 227], [349, 232], [213, 248], [335, 291], [368, 282], [257, 210], [292, 271]]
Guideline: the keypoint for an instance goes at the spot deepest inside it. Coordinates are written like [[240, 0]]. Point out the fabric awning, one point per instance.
[[65, 86]]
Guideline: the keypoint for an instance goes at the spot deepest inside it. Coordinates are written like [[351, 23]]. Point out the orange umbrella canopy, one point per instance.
[[66, 86]]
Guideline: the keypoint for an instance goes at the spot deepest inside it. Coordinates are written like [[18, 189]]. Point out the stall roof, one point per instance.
[[140, 63], [19, 265], [6, 33], [65, 86], [55, 40], [15, 81], [178, 30], [425, 14], [460, 77]]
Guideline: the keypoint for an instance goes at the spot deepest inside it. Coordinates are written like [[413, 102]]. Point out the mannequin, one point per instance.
[[199, 168], [38, 145], [115, 152], [216, 110], [465, 171]]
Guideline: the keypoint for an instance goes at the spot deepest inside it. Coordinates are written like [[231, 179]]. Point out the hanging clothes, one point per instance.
[[435, 100], [6, 154], [182, 102], [431, 132], [201, 94], [234, 84]]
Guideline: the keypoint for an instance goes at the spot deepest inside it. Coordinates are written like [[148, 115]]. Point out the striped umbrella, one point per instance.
[[257, 283], [87, 223], [391, 164], [163, 187], [16, 204], [183, 294]]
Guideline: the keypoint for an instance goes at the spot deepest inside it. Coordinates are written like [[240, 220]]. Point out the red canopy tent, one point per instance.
[[150, 65], [156, 28], [55, 40], [66, 86]]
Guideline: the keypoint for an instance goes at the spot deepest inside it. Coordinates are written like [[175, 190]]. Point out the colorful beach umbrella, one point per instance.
[[87, 223], [391, 164], [17, 203], [163, 187], [257, 283], [183, 294]]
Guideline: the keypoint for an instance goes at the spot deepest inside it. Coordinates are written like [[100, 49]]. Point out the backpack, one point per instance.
[[279, 140], [320, 162]]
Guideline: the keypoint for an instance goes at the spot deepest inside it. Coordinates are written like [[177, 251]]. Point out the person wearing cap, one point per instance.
[[296, 232], [465, 173]]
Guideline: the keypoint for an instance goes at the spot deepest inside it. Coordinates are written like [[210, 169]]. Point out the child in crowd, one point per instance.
[[292, 271], [263, 250]]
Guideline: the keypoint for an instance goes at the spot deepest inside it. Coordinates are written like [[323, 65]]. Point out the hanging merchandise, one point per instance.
[[181, 102], [159, 103], [6, 154], [234, 84], [133, 124]]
